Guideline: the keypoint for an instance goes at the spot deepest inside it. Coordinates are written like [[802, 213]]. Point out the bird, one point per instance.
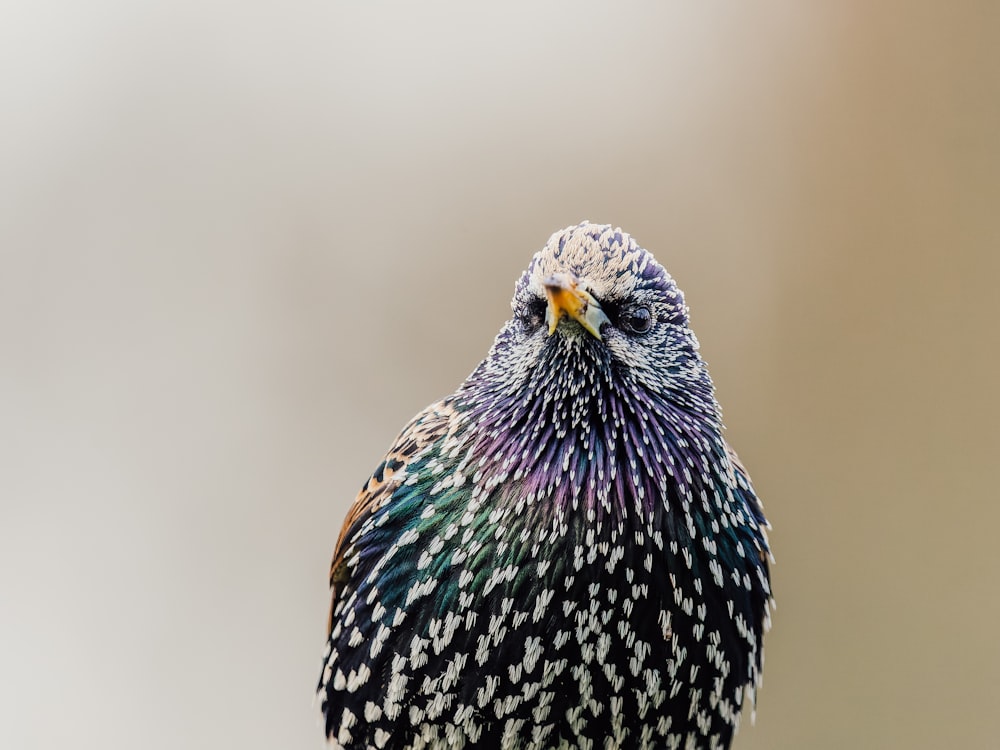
[[565, 552]]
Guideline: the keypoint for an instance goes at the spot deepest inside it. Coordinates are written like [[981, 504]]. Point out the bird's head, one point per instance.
[[594, 311]]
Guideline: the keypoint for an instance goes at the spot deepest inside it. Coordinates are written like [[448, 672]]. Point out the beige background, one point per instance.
[[242, 243]]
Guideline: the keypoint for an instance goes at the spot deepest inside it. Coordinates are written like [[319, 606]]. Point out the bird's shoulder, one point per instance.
[[419, 436], [742, 477]]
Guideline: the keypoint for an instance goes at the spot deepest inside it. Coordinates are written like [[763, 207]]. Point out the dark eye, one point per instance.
[[636, 319], [532, 315]]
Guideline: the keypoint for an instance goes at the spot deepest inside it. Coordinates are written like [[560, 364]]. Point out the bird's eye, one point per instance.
[[532, 315], [637, 319]]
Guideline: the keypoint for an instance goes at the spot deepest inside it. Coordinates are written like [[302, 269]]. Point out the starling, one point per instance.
[[565, 553]]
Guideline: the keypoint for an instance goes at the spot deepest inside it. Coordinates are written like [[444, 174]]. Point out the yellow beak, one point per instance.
[[566, 297]]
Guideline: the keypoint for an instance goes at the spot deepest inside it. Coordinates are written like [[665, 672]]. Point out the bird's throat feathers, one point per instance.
[[581, 438]]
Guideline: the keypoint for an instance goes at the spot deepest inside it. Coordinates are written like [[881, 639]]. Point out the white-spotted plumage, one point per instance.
[[564, 553]]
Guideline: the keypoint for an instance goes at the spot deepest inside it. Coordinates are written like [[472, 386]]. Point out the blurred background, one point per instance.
[[241, 244]]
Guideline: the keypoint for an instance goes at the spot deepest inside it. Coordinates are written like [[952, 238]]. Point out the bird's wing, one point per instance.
[[423, 431], [743, 482]]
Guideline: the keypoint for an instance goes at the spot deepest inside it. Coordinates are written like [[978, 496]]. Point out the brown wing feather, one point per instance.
[[423, 430]]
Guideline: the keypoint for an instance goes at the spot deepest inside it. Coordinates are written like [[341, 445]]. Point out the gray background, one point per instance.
[[241, 243]]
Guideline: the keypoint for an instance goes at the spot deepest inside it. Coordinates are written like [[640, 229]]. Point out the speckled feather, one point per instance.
[[565, 552]]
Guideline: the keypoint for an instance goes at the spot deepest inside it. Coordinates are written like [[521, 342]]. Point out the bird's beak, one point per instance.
[[566, 296]]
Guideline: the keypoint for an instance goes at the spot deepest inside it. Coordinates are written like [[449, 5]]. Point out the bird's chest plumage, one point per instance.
[[578, 591]]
